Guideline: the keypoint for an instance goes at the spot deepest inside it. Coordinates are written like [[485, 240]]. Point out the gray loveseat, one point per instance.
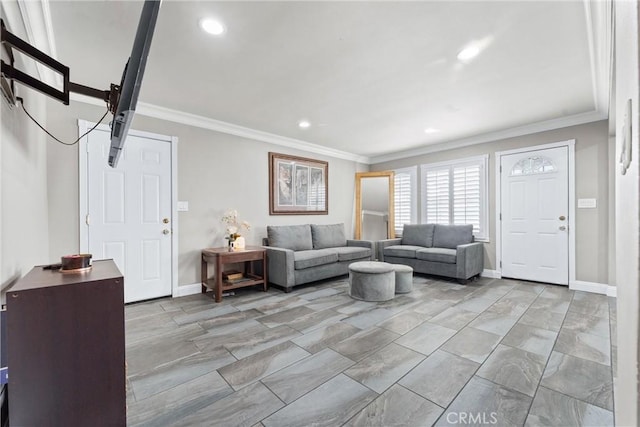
[[298, 254], [442, 250]]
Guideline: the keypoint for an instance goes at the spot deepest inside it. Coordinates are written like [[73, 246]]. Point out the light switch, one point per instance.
[[183, 206], [587, 203]]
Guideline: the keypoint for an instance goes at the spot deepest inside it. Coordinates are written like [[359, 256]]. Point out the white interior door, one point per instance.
[[129, 212], [535, 215]]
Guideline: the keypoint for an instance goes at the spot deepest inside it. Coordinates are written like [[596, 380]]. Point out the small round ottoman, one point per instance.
[[372, 281], [404, 278]]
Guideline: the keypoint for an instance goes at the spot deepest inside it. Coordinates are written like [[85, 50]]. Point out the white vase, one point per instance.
[[239, 243]]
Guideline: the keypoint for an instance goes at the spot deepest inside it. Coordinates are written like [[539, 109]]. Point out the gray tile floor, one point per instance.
[[493, 352]]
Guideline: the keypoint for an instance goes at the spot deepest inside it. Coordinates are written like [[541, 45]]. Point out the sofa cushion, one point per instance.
[[402, 251], [450, 236], [294, 237], [418, 235], [328, 236], [314, 257], [437, 255], [348, 253]]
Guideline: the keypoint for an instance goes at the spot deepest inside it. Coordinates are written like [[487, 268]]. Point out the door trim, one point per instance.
[[84, 126], [571, 146]]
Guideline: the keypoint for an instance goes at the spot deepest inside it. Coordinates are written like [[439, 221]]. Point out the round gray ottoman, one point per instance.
[[372, 281], [404, 278]]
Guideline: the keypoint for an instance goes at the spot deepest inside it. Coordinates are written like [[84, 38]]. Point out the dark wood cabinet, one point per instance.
[[66, 348]]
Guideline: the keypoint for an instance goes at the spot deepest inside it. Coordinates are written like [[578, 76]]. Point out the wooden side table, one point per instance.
[[222, 256]]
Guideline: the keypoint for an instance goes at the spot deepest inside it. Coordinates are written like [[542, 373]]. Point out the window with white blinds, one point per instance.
[[456, 193], [404, 198]]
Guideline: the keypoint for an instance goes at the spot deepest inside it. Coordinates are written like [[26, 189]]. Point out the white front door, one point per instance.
[[129, 212], [535, 215]]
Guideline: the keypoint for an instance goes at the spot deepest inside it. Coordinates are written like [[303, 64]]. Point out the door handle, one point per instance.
[[165, 231], [562, 218], [562, 228], [165, 220]]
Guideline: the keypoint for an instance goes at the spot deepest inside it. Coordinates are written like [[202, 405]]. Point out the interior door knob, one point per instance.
[[562, 218], [165, 220], [165, 231], [562, 228]]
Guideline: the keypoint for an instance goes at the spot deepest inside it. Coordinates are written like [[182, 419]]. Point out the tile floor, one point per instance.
[[493, 352]]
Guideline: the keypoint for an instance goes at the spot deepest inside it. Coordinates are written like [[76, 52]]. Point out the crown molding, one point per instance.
[[36, 19], [577, 119], [17, 24], [31, 20], [599, 22], [189, 119]]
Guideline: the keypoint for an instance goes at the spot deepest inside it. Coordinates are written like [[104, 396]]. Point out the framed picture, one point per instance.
[[298, 186]]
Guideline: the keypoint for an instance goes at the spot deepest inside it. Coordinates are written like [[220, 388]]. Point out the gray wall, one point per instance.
[[591, 182], [215, 172], [627, 225], [24, 236]]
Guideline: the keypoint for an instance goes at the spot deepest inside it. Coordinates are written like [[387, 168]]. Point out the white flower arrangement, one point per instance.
[[230, 218]]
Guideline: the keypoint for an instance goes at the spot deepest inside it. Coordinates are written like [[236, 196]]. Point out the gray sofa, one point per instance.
[[298, 254], [442, 250]]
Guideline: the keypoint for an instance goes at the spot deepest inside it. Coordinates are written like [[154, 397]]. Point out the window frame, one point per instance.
[[483, 161]]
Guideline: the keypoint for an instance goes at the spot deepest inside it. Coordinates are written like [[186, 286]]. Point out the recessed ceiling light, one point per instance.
[[468, 53], [431, 130], [474, 48], [212, 26], [304, 124]]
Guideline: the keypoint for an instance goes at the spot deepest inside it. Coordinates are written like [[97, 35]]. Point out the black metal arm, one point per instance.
[[10, 41]]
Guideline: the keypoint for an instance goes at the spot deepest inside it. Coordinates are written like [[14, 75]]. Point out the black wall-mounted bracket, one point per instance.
[[7, 86], [10, 74]]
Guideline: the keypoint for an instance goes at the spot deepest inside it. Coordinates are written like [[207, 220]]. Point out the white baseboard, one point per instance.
[[184, 290], [576, 285], [596, 288], [492, 274]]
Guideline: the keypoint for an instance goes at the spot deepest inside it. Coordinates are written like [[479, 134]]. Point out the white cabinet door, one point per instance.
[[535, 215], [130, 212]]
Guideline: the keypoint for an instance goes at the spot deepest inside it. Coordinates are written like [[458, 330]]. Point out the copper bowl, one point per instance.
[[75, 262]]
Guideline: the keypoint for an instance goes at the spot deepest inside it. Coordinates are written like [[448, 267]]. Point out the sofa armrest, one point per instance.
[[361, 243], [281, 266], [369, 244], [469, 260], [381, 244]]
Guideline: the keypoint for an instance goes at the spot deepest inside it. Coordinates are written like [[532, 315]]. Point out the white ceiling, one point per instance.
[[369, 76]]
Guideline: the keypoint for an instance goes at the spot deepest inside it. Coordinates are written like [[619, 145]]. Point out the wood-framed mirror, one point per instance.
[[374, 205]]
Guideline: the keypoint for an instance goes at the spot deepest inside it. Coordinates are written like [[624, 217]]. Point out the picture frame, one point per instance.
[[298, 185]]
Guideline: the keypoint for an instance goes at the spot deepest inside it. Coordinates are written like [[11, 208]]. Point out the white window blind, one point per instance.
[[466, 196], [317, 194], [317, 198], [455, 193], [404, 198], [437, 196]]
